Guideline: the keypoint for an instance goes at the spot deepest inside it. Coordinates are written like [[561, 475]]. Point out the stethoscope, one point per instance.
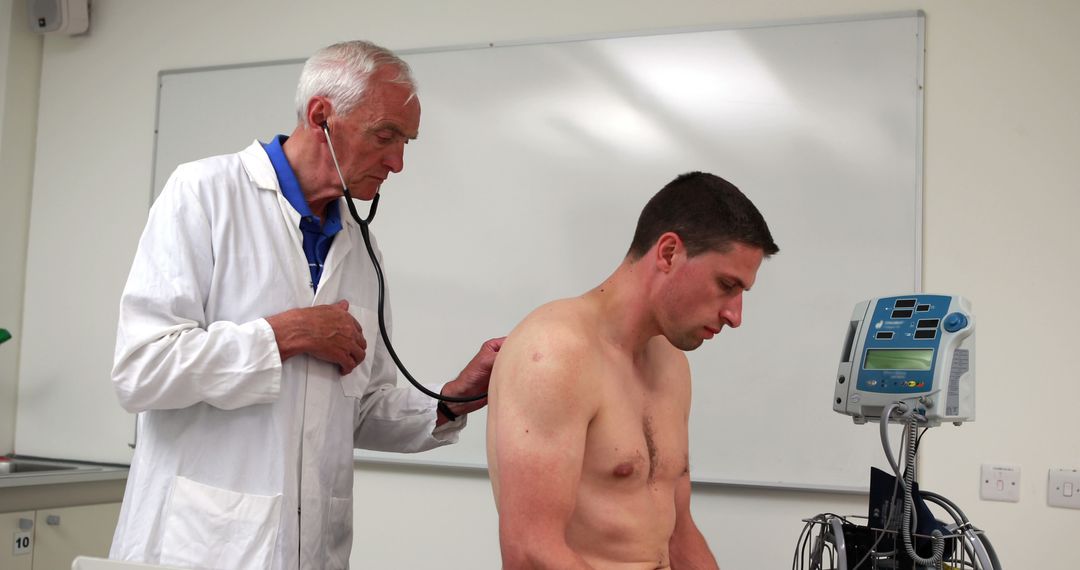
[[363, 223]]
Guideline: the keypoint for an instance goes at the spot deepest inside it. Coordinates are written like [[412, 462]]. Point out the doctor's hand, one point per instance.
[[473, 379], [326, 332]]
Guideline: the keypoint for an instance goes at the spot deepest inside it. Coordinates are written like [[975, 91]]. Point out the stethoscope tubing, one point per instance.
[[365, 233]]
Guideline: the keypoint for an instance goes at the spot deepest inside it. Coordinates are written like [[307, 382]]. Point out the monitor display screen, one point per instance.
[[898, 359]]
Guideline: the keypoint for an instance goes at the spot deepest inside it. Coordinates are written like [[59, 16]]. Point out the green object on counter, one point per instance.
[[4, 336]]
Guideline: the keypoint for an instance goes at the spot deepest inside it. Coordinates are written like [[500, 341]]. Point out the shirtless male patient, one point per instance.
[[590, 397]]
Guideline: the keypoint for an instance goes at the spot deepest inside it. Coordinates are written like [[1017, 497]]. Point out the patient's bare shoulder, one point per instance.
[[549, 356], [560, 329]]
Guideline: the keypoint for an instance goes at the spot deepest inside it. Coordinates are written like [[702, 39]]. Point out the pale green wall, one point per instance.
[[20, 70]]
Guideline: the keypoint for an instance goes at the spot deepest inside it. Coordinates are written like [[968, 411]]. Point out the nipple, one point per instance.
[[625, 469]]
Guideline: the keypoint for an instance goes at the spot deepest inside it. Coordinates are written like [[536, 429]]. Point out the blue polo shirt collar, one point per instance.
[[317, 236], [290, 188]]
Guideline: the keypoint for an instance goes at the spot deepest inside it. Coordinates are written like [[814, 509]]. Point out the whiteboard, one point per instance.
[[535, 159]]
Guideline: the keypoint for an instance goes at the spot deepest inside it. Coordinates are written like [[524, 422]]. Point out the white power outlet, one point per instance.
[[1000, 483], [1063, 488]]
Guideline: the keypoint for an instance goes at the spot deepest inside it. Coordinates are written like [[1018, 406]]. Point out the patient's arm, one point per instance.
[[687, 547], [540, 409]]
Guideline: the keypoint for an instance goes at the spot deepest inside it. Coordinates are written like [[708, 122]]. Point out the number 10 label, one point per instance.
[[24, 543]]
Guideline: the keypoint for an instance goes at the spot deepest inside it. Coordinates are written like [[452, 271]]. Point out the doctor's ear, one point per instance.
[[323, 128], [317, 113]]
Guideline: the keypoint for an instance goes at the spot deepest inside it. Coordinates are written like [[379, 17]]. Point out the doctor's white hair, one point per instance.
[[341, 73]]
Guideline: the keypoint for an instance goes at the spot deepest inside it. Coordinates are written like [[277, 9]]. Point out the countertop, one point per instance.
[[56, 471]]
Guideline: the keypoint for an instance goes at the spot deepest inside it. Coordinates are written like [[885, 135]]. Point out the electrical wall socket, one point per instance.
[[1063, 488], [1000, 483]]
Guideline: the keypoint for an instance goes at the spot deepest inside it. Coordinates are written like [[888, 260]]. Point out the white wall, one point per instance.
[[1002, 137], [1002, 131], [20, 67]]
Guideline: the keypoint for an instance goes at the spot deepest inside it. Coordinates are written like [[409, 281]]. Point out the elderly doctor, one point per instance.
[[248, 341]]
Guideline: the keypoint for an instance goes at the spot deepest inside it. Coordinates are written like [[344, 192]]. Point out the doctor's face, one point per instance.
[[370, 141]]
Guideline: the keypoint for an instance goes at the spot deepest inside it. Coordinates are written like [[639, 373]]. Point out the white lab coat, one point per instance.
[[245, 461]]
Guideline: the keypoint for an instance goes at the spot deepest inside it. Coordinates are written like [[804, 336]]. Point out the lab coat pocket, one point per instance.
[[355, 383], [340, 533], [208, 527]]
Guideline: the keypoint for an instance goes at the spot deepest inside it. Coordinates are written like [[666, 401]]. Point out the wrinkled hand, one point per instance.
[[326, 332], [474, 379]]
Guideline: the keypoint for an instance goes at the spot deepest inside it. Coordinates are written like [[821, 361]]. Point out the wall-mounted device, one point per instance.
[[59, 16], [915, 349]]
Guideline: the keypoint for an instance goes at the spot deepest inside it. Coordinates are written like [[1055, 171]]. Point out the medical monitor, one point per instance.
[[915, 349]]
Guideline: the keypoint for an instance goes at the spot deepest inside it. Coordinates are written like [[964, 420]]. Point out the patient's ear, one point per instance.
[[669, 247]]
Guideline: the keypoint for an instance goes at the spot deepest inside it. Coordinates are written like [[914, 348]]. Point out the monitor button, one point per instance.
[[955, 322]]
